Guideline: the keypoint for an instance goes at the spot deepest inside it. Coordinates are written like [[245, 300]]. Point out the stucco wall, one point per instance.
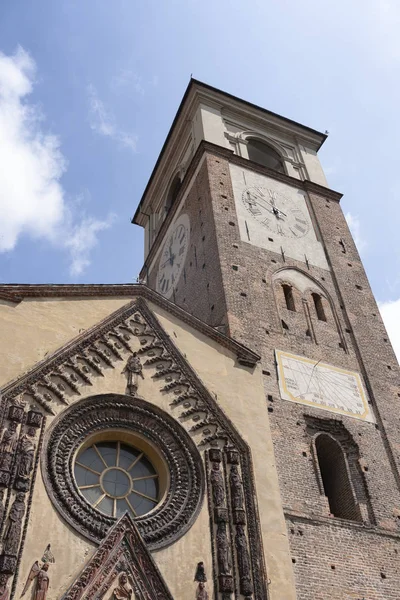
[[47, 324]]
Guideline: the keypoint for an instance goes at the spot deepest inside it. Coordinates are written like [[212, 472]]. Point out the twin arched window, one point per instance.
[[264, 155]]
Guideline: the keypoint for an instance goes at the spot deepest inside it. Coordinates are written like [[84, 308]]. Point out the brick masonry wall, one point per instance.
[[199, 290], [231, 282], [255, 311]]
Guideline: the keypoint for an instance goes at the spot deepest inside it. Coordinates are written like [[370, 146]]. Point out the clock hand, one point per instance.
[[167, 261]]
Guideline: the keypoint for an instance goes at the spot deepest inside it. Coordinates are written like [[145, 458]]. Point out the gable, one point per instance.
[[95, 364], [121, 551]]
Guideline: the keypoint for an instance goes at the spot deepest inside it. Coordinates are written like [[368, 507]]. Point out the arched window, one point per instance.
[[335, 478], [319, 309], [289, 299], [173, 192], [264, 155]]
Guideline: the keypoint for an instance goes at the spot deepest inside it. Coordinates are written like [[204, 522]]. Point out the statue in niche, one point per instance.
[[4, 591], [235, 484], [1, 506], [123, 590], [12, 532], [223, 551], [133, 369], [201, 592], [42, 581], [7, 445], [217, 485], [243, 559], [27, 454]]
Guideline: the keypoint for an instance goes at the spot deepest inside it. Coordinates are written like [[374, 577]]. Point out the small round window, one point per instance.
[[115, 477]]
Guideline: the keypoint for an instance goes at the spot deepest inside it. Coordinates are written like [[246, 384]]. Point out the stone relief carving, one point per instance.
[[25, 459], [4, 591], [39, 575], [223, 550], [217, 484], [182, 501], [7, 445], [12, 532], [123, 589], [109, 342], [243, 560], [201, 592], [122, 553], [133, 370], [235, 484]]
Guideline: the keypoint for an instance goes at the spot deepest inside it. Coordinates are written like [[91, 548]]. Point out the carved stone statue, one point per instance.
[[12, 532], [235, 484], [27, 454], [123, 590], [243, 559], [200, 574], [217, 485], [201, 592], [223, 551], [1, 506], [42, 581], [8, 444], [4, 591], [133, 369]]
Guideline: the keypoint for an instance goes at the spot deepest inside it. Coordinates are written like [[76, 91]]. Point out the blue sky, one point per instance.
[[88, 90]]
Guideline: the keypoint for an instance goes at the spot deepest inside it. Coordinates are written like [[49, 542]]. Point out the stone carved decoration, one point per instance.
[[182, 501], [16, 411], [12, 532], [217, 485], [201, 592], [243, 560], [2, 508], [223, 550], [109, 342], [236, 488], [4, 591], [200, 574], [123, 590], [41, 581], [133, 370], [123, 545], [7, 445], [25, 460]]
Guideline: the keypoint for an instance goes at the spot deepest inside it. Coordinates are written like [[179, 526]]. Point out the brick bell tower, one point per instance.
[[242, 231]]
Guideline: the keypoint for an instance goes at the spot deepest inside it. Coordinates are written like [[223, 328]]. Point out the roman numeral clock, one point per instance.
[[275, 216], [173, 255]]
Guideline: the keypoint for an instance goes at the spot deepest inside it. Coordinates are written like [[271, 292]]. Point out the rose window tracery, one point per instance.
[[115, 477]]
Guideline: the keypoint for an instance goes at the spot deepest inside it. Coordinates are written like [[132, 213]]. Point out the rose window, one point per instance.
[[115, 477]]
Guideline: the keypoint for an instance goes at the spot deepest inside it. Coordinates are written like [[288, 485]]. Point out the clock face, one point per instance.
[[173, 256], [317, 384], [275, 212]]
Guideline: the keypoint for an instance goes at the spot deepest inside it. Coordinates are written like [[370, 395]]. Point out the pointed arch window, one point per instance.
[[336, 478], [264, 155]]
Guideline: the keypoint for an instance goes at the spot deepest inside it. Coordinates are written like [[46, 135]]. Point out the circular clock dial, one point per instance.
[[275, 212], [173, 256]]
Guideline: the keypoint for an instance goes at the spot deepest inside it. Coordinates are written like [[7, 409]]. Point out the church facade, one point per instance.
[[227, 428]]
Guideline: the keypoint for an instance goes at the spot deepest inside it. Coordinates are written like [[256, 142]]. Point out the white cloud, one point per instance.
[[32, 199], [83, 238], [102, 121], [390, 312], [354, 224]]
